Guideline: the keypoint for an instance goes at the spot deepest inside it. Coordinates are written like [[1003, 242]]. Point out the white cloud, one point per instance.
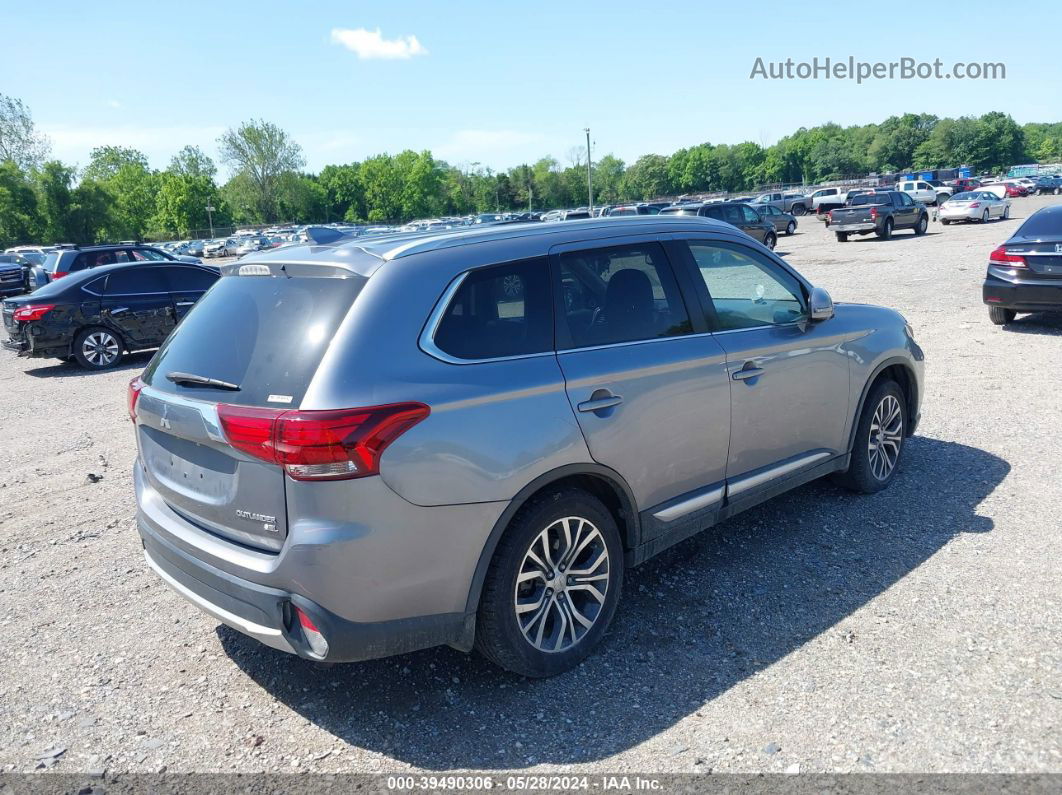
[[369, 44], [113, 103]]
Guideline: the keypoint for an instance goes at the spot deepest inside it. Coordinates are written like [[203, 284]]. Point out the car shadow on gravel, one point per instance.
[[1044, 323], [897, 237], [694, 622], [133, 362]]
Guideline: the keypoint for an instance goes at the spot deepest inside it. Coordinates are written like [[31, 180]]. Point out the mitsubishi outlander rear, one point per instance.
[[466, 438]]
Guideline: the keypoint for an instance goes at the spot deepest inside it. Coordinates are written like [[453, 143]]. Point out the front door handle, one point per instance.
[[748, 372], [600, 400]]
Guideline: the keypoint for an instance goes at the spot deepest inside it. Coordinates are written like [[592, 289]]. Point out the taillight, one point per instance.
[[334, 444], [59, 274], [28, 314], [134, 394], [873, 213], [974, 204], [1001, 257], [830, 216]]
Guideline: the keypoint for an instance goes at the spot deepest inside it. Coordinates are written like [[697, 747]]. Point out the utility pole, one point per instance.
[[210, 219], [589, 178]]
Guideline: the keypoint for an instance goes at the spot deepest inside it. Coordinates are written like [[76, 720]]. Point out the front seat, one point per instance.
[[630, 311]]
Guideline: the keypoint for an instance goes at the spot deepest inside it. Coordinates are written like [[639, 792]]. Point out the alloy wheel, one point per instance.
[[886, 434], [100, 348], [561, 584]]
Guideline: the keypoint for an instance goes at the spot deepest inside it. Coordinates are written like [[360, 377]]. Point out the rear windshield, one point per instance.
[[868, 198], [265, 334], [1041, 224], [50, 260]]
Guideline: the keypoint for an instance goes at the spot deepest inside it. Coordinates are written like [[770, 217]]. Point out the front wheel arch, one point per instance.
[[895, 369]]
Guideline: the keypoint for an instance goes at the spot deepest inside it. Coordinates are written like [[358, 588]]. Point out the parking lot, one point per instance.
[[913, 630]]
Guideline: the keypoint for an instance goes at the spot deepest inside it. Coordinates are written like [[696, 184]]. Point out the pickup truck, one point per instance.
[[795, 203], [880, 212], [825, 199], [923, 191]]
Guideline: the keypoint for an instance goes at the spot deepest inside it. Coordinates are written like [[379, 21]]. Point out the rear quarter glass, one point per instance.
[[266, 334]]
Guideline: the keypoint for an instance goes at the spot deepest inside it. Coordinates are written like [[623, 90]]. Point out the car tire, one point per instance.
[[945, 221], [879, 440], [98, 348], [770, 241], [790, 228], [1006, 213], [543, 644], [922, 225], [1000, 316], [842, 237], [799, 210], [984, 217], [886, 230]]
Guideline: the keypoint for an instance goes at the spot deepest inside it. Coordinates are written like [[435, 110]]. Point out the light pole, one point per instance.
[[589, 178], [210, 219]]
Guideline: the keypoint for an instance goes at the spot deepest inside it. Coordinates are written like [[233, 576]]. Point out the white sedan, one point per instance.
[[974, 205]]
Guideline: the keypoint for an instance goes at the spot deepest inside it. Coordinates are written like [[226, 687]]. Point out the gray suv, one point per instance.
[[466, 438]]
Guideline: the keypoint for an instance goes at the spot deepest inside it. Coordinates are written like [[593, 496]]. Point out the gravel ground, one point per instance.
[[913, 630]]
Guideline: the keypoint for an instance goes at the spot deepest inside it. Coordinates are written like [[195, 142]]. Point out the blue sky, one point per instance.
[[498, 83]]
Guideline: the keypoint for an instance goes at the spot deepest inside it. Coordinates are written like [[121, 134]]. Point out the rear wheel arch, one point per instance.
[[890, 370], [603, 483]]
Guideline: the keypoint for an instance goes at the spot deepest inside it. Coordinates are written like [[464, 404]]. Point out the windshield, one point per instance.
[[965, 197], [267, 334]]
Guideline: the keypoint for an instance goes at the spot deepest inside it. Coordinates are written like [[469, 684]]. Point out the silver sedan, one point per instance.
[[974, 205]]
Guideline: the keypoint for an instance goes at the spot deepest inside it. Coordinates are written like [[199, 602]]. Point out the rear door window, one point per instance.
[[136, 281], [184, 280], [500, 311], [620, 294]]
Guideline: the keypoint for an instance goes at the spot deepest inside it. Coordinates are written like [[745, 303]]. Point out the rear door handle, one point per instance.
[[599, 403], [748, 372]]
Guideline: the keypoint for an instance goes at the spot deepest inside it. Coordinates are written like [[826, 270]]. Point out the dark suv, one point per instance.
[[71, 259], [736, 214]]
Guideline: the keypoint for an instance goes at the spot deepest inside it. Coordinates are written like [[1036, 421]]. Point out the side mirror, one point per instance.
[[820, 305]]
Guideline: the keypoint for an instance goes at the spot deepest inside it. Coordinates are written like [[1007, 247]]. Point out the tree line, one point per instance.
[[118, 196]]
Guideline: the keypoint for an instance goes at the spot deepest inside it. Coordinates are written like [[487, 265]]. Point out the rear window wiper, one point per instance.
[[201, 380]]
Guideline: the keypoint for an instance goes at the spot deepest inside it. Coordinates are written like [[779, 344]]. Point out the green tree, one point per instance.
[[382, 188], [608, 176], [181, 203], [106, 161], [191, 161], [18, 206], [647, 178], [262, 153], [19, 140]]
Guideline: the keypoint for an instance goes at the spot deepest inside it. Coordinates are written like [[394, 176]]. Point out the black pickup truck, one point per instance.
[[879, 212]]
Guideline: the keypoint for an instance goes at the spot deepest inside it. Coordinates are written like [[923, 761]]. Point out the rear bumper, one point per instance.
[[864, 226], [266, 614], [1034, 295], [393, 580]]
